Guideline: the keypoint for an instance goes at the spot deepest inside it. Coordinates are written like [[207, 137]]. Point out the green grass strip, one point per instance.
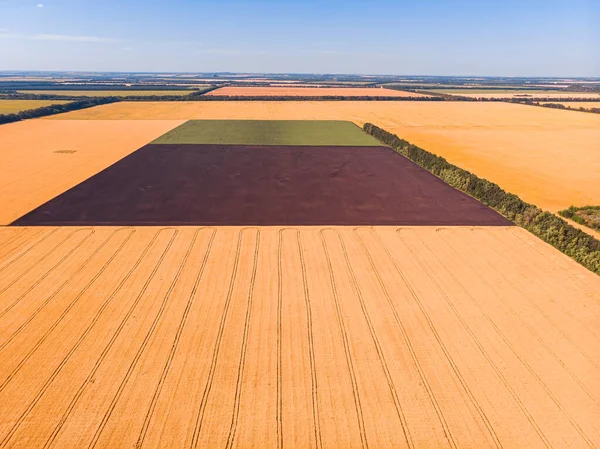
[[268, 132], [573, 242]]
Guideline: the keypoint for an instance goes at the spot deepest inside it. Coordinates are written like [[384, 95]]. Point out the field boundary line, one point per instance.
[[407, 341], [349, 362], [81, 389]]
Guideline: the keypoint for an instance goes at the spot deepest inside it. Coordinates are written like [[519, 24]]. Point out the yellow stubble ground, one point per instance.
[[32, 172], [550, 158], [295, 337]]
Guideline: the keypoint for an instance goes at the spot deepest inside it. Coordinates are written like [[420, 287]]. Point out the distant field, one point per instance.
[[311, 92], [14, 106], [108, 93], [515, 93], [548, 157], [268, 132]]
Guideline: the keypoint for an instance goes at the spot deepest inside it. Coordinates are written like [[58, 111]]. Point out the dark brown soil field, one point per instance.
[[263, 185]]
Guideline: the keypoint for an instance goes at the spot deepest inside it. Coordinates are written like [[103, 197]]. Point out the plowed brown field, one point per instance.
[[311, 92], [548, 157], [40, 159], [297, 337]]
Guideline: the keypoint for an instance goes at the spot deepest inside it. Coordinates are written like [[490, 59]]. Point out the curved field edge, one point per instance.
[[552, 229]]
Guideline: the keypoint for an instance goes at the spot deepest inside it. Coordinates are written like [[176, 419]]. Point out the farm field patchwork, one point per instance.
[[41, 159], [310, 92], [268, 132], [548, 157], [296, 337], [14, 106], [248, 335], [108, 93]]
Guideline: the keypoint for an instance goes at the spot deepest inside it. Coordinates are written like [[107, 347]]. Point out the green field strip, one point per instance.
[[269, 132]]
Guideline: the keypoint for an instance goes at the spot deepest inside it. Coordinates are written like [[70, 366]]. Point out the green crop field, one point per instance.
[[14, 106], [269, 132], [108, 93]]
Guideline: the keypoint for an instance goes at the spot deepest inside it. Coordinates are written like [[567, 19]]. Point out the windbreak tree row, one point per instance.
[[552, 229]]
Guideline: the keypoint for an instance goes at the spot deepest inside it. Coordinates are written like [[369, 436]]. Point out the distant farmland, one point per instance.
[[109, 93], [310, 92], [516, 93], [14, 106]]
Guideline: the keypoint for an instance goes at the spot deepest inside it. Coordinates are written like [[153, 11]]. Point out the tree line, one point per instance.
[[56, 109], [552, 229]]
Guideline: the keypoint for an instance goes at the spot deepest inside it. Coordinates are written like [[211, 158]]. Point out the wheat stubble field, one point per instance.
[[323, 336], [295, 337]]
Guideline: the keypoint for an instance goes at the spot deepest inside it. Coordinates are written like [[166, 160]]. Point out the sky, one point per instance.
[[423, 37]]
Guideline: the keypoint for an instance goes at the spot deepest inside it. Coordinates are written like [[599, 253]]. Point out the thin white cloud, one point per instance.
[[70, 38], [59, 38], [40, 5]]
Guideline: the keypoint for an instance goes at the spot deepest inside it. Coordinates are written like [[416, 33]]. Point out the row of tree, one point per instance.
[[55, 109], [575, 243]]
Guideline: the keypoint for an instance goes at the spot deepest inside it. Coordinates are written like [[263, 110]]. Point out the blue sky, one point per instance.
[[426, 37]]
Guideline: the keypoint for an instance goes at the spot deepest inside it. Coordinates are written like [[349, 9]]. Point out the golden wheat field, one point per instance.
[[295, 337], [40, 159], [548, 157]]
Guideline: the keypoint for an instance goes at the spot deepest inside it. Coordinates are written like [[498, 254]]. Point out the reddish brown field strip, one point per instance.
[[295, 337], [270, 185]]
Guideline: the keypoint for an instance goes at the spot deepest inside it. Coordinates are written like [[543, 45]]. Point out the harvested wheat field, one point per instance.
[[516, 93], [546, 156], [295, 337], [41, 159], [310, 92]]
